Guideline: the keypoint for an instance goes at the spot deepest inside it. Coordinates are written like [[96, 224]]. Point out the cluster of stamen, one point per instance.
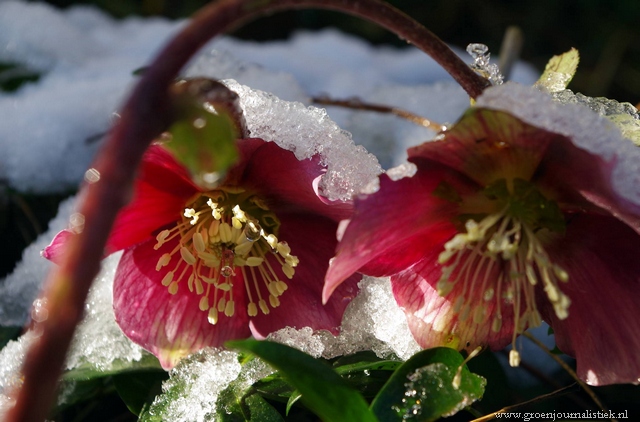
[[223, 234], [499, 261]]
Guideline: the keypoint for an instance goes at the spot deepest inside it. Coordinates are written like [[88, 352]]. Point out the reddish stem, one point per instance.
[[144, 116]]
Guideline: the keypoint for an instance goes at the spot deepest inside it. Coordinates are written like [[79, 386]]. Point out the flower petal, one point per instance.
[[312, 240], [169, 326], [602, 330], [159, 199], [288, 183], [391, 228], [431, 317], [53, 252], [161, 170], [580, 180], [487, 145]]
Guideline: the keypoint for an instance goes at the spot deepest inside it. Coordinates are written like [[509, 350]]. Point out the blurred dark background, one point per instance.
[[606, 32]]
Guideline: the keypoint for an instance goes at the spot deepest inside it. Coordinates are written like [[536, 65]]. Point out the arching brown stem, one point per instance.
[[144, 116]]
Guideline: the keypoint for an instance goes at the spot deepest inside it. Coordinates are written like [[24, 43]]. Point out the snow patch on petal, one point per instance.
[[307, 131], [586, 129], [372, 321]]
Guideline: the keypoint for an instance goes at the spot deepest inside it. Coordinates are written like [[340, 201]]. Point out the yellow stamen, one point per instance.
[[220, 235], [469, 261]]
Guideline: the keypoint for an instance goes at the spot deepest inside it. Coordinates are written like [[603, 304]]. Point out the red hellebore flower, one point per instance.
[[202, 267], [506, 224]]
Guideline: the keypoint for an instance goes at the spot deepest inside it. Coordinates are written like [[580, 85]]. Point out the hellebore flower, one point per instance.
[[505, 224], [248, 257]]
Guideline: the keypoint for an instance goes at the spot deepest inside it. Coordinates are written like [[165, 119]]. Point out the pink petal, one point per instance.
[[54, 251], [581, 181], [602, 331], [288, 183], [246, 149], [159, 198], [312, 239], [391, 228], [431, 317], [162, 171], [149, 212], [487, 145], [169, 326]]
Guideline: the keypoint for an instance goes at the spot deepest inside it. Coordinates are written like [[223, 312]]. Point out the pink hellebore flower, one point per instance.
[[202, 267], [506, 224]]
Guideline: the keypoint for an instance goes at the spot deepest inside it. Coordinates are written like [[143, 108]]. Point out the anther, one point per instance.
[[514, 358], [263, 307], [229, 308], [161, 237], [187, 256], [254, 261], [168, 277], [496, 324], [191, 213], [163, 261], [221, 304], [225, 287], [198, 242], [282, 286], [204, 303], [225, 233], [213, 316], [288, 271], [173, 288]]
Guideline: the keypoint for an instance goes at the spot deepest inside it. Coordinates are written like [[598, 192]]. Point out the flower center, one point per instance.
[[500, 260], [222, 234]]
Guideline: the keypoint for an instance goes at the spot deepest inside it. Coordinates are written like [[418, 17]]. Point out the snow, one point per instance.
[[586, 129]]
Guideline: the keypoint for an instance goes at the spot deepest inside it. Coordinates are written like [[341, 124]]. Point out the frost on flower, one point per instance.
[[513, 217]]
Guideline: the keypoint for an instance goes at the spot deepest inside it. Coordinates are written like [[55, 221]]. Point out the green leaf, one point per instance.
[[203, 135], [261, 410], [295, 396], [365, 372], [139, 388], [273, 387], [363, 361], [559, 71], [423, 389], [323, 391], [498, 392]]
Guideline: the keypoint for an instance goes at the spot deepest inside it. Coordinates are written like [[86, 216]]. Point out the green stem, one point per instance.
[[144, 116]]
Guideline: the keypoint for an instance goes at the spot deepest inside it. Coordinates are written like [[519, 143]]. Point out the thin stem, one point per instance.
[[144, 116], [356, 104], [562, 391]]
